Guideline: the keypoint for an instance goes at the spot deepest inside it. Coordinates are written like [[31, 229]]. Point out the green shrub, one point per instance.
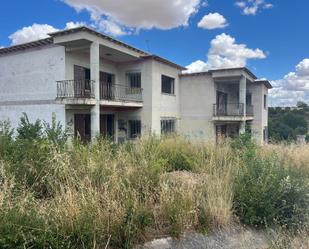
[[29, 131], [266, 192], [6, 139], [55, 133], [178, 155]]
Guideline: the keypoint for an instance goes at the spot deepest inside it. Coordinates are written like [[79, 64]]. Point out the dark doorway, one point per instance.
[[221, 103], [82, 127], [107, 85], [221, 132], [107, 125]]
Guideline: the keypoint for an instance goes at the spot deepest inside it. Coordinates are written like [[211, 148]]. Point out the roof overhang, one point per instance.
[[65, 37], [265, 82], [164, 61], [24, 46]]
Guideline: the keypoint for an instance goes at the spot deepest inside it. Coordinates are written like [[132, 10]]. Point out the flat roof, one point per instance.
[[221, 70], [209, 72], [49, 40], [94, 32]]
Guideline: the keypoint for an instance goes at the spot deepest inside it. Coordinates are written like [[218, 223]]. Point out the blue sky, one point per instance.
[[274, 34]]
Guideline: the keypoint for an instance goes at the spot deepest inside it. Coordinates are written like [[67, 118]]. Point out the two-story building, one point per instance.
[[99, 85]]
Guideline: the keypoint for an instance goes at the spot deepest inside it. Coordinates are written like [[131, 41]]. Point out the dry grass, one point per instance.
[[103, 194]]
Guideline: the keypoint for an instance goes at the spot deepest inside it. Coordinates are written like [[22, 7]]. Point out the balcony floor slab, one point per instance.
[[232, 118]]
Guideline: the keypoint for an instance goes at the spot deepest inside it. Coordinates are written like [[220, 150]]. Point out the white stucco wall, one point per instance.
[[83, 59], [197, 96], [144, 113], [28, 84], [164, 105], [260, 113]]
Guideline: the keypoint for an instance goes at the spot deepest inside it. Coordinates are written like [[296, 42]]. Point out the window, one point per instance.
[[167, 84], [134, 128], [81, 73], [265, 101], [134, 80], [168, 126]]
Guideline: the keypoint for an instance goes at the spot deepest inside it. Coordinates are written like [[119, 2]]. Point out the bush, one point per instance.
[[178, 155], [106, 195], [6, 139], [269, 192]]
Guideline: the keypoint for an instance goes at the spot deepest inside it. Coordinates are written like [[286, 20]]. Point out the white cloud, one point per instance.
[[37, 31], [121, 16], [251, 7], [213, 21], [224, 52], [71, 25], [293, 87], [111, 27], [31, 33]]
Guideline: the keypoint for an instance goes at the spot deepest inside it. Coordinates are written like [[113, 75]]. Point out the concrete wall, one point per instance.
[[164, 105], [197, 95], [83, 59], [28, 84], [145, 113], [260, 113]]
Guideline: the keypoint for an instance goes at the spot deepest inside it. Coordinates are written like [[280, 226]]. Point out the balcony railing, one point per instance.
[[249, 110], [75, 89], [85, 89], [114, 92], [236, 109]]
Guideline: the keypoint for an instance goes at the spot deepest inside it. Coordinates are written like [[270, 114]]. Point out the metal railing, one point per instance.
[[114, 92], [75, 89], [249, 110], [232, 109]]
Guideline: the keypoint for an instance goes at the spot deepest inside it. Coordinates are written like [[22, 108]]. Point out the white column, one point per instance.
[[95, 77], [242, 100]]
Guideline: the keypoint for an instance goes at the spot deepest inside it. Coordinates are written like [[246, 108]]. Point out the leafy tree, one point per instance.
[[287, 123]]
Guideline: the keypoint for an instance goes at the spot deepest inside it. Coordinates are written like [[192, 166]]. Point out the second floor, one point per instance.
[[68, 69]]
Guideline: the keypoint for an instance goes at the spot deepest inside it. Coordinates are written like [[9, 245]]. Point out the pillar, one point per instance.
[[242, 101], [95, 77]]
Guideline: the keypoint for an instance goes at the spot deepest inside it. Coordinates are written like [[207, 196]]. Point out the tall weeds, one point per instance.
[[107, 195]]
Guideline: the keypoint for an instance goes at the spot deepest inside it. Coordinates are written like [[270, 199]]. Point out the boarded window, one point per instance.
[[168, 126], [167, 84]]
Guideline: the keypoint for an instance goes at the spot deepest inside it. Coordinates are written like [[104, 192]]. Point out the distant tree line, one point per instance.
[[285, 123]]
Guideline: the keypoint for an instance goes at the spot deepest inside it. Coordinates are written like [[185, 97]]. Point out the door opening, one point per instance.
[[107, 125], [82, 127]]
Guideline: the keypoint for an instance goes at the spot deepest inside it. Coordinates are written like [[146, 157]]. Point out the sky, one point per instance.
[[270, 37]]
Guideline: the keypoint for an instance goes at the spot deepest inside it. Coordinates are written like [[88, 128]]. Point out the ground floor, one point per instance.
[[127, 123]]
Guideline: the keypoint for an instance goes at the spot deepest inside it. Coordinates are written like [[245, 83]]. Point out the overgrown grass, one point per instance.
[[114, 196]]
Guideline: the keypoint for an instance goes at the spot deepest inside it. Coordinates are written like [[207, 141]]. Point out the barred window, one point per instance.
[[134, 128], [168, 126], [167, 84], [134, 80]]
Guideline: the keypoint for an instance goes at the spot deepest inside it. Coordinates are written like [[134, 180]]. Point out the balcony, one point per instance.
[[121, 93], [232, 112], [82, 92], [75, 89]]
